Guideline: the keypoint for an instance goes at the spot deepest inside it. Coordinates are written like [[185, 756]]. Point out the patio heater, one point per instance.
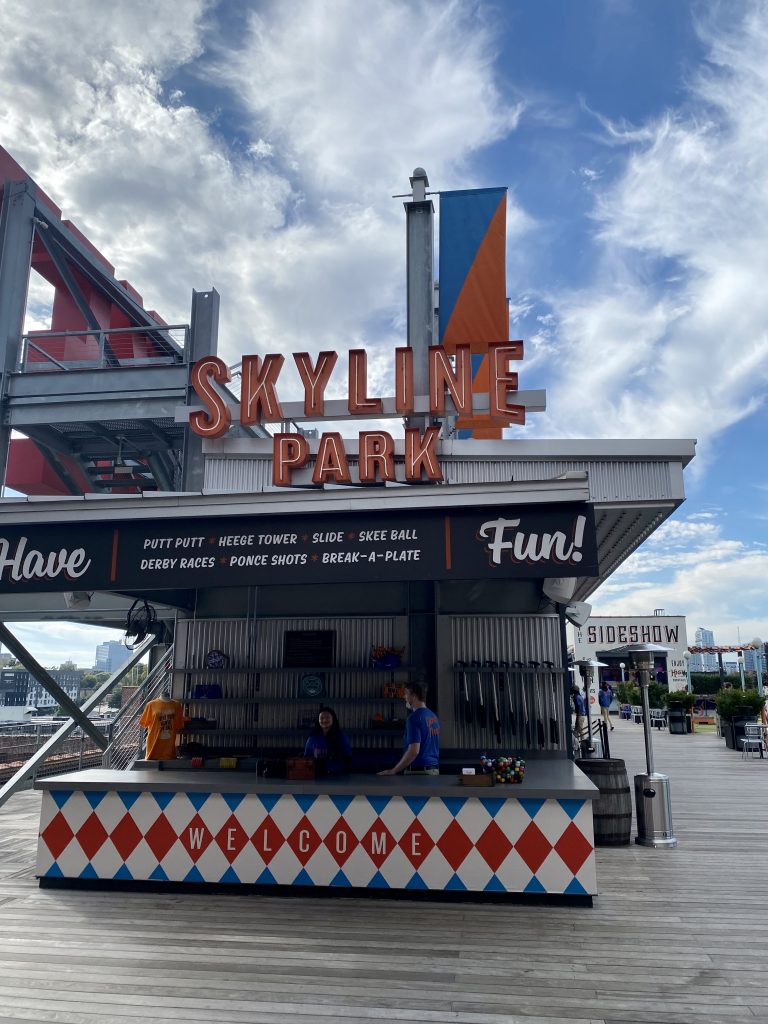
[[587, 667], [652, 802]]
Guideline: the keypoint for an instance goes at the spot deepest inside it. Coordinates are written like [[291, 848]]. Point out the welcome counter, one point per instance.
[[425, 833]]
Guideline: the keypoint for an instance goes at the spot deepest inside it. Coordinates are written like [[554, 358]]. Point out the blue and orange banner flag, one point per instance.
[[473, 285]]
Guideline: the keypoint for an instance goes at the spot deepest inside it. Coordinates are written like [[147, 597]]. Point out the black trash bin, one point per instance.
[[678, 720], [733, 729]]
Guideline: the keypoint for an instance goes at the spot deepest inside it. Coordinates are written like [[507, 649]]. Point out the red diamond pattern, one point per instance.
[[304, 840], [378, 842], [57, 834], [454, 844], [196, 838], [232, 838], [126, 836], [341, 841], [573, 847], [267, 839], [493, 846], [416, 843], [91, 836], [534, 847], [160, 837]]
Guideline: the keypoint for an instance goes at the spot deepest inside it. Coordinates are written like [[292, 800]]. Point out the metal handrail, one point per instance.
[[171, 357], [124, 732], [31, 768]]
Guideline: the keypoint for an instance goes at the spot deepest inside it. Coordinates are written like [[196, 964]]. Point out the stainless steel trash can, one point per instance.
[[654, 811]]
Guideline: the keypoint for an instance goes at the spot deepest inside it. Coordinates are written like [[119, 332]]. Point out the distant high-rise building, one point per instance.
[[704, 662], [111, 655]]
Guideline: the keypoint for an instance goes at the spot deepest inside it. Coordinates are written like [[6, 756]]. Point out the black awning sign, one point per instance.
[[504, 542]]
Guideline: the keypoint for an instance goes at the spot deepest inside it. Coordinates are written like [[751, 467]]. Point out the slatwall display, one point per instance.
[[517, 706], [261, 706]]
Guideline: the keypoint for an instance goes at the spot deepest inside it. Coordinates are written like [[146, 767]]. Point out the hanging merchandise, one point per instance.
[[162, 718]]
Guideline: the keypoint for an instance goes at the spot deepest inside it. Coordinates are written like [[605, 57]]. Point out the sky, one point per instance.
[[256, 147]]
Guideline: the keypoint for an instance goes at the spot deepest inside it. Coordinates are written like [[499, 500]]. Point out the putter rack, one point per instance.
[[513, 706]]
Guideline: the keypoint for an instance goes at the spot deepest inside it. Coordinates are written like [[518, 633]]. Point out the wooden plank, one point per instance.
[[666, 941]]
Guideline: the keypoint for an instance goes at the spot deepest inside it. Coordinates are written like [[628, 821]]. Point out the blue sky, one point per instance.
[[256, 147]]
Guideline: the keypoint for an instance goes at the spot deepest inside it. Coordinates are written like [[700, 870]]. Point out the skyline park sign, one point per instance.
[[450, 391]]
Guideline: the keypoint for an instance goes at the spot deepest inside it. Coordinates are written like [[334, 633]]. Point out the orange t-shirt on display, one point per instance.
[[162, 719]]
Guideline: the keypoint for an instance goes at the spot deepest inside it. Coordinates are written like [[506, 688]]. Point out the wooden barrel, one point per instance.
[[612, 813]]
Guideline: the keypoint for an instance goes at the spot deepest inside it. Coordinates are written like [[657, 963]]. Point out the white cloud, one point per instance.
[[670, 338], [294, 228], [691, 569]]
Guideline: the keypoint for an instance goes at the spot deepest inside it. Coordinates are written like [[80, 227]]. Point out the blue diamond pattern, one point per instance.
[[193, 875], [233, 800], [495, 885], [94, 799], [417, 882], [304, 801], [341, 879], [378, 803], [60, 796], [454, 804], [415, 803], [163, 799], [123, 874], [269, 800], [532, 807], [198, 799], [230, 875], [575, 888], [341, 803], [494, 805], [456, 884], [129, 799], [88, 872], [266, 878], [302, 878], [378, 882], [54, 871], [571, 807], [534, 886], [158, 875]]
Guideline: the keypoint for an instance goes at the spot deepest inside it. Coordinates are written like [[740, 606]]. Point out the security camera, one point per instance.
[[559, 588], [578, 612]]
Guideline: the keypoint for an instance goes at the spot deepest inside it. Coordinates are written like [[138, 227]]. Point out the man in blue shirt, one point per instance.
[[421, 742], [605, 699]]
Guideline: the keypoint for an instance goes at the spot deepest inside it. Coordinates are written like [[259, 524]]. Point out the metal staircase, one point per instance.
[[125, 733]]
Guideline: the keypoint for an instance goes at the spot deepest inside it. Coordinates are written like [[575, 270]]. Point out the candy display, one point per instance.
[[503, 769]]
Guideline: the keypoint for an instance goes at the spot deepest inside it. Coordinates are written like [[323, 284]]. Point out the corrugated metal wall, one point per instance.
[[608, 480], [261, 704], [526, 701]]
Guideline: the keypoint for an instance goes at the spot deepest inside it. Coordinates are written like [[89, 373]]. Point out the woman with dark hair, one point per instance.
[[328, 744]]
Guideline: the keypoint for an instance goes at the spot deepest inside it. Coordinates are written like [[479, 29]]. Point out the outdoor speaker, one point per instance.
[[560, 588], [578, 612]]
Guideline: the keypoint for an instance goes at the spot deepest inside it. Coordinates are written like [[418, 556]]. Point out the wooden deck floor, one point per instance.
[[676, 936]]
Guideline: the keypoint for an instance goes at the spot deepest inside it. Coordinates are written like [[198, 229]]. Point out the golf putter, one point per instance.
[[462, 666], [504, 685], [526, 717], [482, 715], [554, 729], [540, 735], [494, 694]]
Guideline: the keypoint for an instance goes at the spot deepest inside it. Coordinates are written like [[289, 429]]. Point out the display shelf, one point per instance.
[[288, 700], [293, 729], [368, 670]]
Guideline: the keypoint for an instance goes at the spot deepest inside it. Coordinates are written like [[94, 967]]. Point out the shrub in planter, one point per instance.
[[681, 697], [734, 703], [736, 707]]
